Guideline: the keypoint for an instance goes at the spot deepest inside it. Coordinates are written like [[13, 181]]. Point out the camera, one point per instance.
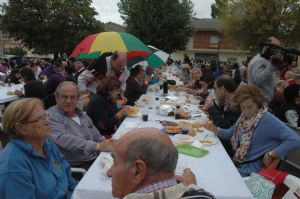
[[289, 54]]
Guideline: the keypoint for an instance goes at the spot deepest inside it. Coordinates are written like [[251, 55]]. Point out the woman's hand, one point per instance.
[[187, 178], [122, 112], [269, 157], [211, 127]]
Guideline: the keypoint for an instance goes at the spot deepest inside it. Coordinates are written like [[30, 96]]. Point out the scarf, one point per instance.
[[246, 126]]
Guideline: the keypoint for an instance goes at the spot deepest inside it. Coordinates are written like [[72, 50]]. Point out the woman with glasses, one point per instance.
[[31, 165]]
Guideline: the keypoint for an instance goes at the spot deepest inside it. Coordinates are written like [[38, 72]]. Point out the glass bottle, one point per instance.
[[177, 112]]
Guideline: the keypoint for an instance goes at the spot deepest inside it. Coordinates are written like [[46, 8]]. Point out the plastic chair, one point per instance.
[[78, 173], [293, 183]]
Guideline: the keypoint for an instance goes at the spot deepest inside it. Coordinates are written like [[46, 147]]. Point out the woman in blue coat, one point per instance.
[[258, 137], [31, 166]]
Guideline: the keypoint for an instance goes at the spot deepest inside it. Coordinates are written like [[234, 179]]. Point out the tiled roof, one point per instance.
[[111, 26], [207, 24]]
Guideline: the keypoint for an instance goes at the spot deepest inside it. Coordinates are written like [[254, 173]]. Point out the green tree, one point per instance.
[[50, 26], [249, 22], [217, 7], [165, 24], [17, 50]]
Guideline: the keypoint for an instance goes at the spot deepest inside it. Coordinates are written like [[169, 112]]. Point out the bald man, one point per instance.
[[109, 64], [144, 163], [261, 69]]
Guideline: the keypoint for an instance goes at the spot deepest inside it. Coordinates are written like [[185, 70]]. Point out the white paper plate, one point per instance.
[[208, 141], [131, 125]]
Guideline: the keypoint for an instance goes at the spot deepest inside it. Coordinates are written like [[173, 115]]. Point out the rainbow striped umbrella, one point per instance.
[[94, 45]]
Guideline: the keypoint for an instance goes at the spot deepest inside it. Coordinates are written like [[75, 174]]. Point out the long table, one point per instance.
[[215, 172], [4, 97]]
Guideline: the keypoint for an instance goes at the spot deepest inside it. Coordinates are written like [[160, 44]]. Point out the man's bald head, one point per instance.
[[152, 146], [118, 61]]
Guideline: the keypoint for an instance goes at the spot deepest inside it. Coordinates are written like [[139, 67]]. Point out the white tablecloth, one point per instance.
[[7, 98], [215, 172]]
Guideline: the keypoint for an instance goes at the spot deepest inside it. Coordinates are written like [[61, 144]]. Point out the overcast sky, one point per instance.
[[108, 9]]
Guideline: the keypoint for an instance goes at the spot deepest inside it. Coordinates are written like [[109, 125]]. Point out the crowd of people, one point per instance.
[[70, 109]]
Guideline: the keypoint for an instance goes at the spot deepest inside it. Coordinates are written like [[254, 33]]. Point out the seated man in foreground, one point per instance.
[[144, 163], [72, 130]]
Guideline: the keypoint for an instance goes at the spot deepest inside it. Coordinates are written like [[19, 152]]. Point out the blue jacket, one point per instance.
[[26, 174], [270, 134]]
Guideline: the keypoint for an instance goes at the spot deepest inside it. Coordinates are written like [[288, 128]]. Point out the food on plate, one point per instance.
[[184, 125], [209, 124], [192, 132], [10, 93], [197, 124], [173, 129], [201, 129], [183, 139], [133, 111], [168, 123], [206, 141], [185, 115]]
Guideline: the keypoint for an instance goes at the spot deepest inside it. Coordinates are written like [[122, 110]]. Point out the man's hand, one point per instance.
[[276, 59], [187, 178], [105, 146], [209, 102]]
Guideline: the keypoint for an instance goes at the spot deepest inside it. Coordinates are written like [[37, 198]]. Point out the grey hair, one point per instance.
[[67, 83], [157, 156]]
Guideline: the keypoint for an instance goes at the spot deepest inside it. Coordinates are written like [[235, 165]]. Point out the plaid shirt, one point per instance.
[[157, 186]]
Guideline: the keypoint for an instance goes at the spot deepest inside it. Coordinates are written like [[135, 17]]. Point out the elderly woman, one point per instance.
[[257, 137], [103, 107], [31, 165], [193, 84]]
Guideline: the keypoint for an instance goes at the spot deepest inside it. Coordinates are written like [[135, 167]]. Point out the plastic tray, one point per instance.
[[191, 150]]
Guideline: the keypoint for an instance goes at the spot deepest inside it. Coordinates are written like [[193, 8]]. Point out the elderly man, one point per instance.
[[262, 67], [144, 164], [109, 64], [72, 130]]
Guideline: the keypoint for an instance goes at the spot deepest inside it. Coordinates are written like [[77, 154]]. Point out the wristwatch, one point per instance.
[[270, 154]]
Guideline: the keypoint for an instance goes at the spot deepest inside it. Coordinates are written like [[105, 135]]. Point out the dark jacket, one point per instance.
[[134, 90], [224, 119], [102, 112], [221, 118], [36, 89]]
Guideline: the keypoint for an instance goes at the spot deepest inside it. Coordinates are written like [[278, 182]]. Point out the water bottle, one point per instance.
[[165, 87]]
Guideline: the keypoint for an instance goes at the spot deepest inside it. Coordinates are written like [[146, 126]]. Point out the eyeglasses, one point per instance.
[[73, 98], [40, 119]]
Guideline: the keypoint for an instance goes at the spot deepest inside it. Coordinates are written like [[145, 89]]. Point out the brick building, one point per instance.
[[208, 43]]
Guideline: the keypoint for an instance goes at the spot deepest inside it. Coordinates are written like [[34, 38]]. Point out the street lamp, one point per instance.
[[219, 51]]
